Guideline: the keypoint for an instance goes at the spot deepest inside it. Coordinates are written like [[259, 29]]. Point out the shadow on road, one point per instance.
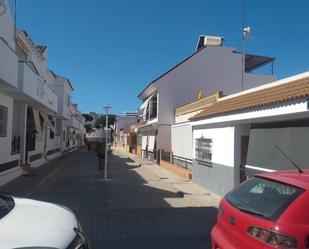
[[129, 211]]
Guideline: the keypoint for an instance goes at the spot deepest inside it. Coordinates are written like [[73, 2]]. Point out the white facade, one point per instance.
[[122, 129], [211, 69], [32, 107], [124, 122], [255, 131]]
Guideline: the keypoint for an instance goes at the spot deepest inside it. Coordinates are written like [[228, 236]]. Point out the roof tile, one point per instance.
[[276, 94]]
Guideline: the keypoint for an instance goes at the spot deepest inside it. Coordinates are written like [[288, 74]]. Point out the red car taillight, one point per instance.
[[272, 238], [220, 209]]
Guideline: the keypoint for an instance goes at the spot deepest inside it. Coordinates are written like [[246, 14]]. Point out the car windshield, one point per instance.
[[263, 198], [6, 205]]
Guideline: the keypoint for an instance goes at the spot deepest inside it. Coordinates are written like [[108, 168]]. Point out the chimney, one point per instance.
[[214, 41]]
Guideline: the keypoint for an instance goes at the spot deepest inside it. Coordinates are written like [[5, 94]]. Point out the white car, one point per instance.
[[26, 223]]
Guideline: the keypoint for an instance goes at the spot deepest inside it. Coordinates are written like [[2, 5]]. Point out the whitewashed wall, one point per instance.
[[7, 25], [212, 69], [222, 144], [5, 142], [219, 177], [164, 138]]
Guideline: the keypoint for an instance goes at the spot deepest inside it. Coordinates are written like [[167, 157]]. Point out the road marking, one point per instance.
[[45, 179]]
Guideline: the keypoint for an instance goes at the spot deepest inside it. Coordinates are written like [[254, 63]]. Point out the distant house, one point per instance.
[[210, 69], [123, 137]]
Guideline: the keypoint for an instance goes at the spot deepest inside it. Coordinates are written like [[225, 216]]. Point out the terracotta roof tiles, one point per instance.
[[267, 96]]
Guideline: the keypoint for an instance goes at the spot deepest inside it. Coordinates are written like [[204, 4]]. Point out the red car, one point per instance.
[[270, 210]]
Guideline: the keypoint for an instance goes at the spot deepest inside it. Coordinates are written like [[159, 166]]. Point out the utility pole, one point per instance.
[[106, 108], [242, 44], [245, 32]]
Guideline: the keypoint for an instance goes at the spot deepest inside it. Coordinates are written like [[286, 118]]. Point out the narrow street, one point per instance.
[[134, 209]]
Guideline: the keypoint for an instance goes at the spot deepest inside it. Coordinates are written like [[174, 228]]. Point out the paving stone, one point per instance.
[[135, 209]]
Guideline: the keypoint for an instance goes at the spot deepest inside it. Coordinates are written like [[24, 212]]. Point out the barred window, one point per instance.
[[3, 121], [203, 149]]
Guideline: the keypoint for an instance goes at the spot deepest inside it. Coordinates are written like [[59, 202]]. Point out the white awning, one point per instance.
[[144, 142], [48, 123], [151, 142], [144, 106]]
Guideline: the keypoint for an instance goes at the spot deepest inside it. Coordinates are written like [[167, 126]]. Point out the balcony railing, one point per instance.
[[15, 145]]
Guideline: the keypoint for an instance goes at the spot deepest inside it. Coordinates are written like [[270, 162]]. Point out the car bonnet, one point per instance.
[[36, 223]]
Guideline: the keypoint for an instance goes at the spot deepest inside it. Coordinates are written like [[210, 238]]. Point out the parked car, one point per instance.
[[270, 210], [26, 223]]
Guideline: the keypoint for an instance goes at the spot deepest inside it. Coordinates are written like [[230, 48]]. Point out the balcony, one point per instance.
[[64, 111], [34, 87], [74, 122], [8, 65]]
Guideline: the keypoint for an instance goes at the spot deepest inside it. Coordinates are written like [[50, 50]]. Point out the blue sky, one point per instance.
[[111, 49]]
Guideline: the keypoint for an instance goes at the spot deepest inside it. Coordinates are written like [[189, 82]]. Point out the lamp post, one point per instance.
[[106, 108]]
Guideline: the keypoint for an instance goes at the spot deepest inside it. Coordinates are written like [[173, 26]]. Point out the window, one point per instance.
[[153, 107], [203, 150], [3, 121], [51, 134], [264, 198]]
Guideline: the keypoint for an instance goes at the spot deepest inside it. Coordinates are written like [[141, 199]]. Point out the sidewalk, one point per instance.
[[137, 207], [186, 188]]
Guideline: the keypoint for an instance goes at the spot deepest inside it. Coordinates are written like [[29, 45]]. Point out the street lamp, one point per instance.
[[106, 108]]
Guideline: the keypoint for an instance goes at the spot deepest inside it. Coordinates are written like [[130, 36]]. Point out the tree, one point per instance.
[[100, 122], [87, 117], [88, 128]]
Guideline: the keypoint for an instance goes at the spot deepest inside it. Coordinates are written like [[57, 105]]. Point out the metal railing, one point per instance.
[[182, 162]]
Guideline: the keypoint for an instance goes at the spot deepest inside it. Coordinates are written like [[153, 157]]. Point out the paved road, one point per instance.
[[135, 209]]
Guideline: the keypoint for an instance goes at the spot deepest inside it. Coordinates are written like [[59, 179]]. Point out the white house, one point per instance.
[[69, 119], [9, 157], [122, 138], [30, 115], [211, 68], [74, 129], [243, 133]]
